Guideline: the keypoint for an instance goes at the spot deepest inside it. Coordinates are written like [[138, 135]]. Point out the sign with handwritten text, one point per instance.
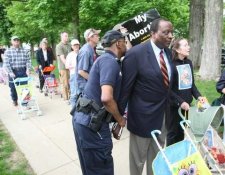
[[139, 26]]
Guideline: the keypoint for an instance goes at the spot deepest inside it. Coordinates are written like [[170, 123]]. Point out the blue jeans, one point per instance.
[[19, 74], [73, 94], [94, 150]]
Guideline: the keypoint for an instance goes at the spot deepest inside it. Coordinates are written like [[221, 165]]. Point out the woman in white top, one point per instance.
[[71, 65]]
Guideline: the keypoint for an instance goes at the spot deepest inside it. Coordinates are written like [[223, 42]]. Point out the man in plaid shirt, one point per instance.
[[17, 63]]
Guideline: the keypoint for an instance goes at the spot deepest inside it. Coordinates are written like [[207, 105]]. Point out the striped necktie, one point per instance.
[[164, 70]]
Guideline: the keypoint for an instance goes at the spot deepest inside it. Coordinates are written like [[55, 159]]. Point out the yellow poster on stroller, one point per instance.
[[24, 92], [192, 165]]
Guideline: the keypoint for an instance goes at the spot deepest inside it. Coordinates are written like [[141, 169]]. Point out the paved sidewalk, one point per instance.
[[48, 141]]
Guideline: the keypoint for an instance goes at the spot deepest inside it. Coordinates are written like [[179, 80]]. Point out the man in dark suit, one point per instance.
[[146, 84]]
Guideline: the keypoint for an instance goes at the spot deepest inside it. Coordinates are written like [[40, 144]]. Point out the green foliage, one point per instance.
[[177, 11], [104, 14], [207, 89], [24, 26], [5, 25], [35, 19]]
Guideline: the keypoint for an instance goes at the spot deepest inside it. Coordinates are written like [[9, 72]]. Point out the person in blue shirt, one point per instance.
[[85, 58], [102, 89]]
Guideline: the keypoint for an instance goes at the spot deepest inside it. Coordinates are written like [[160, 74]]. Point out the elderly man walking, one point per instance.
[[17, 63], [86, 57]]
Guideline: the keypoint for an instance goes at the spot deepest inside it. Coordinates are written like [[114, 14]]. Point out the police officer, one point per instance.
[[101, 91]]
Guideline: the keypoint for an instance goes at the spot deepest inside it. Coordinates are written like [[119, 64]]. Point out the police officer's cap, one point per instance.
[[111, 37]]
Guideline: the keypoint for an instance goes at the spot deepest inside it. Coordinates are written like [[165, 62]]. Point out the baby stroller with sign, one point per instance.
[[27, 102], [200, 153], [50, 84], [3, 76], [182, 158], [202, 129]]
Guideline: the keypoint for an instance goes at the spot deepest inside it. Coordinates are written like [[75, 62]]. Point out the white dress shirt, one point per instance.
[[157, 55]]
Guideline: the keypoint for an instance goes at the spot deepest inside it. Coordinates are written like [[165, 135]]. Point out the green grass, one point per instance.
[[207, 89], [12, 161]]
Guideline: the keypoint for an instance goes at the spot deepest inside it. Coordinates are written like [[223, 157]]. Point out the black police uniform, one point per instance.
[[95, 148]]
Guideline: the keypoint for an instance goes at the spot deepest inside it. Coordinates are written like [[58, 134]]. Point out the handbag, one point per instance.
[[219, 101]]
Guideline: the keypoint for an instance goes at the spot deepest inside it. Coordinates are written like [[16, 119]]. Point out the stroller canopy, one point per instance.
[[200, 121]]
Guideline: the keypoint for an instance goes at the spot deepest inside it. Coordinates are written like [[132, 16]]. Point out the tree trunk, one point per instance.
[[76, 19], [32, 50], [76, 27], [53, 45], [212, 42], [196, 28]]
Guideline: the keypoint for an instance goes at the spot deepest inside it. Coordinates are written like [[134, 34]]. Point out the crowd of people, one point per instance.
[[150, 80]]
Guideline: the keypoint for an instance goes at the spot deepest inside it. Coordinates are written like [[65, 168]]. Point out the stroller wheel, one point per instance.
[[39, 113], [23, 117], [19, 111]]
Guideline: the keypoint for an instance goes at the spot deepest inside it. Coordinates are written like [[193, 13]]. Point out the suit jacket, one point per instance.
[[221, 83], [41, 60], [143, 88]]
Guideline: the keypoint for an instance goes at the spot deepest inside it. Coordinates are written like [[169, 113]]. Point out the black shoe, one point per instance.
[[40, 90], [15, 103]]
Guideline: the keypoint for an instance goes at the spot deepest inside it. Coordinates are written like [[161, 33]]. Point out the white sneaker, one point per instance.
[[67, 102]]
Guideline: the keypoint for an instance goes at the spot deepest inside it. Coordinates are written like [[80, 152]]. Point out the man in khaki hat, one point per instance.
[[85, 58]]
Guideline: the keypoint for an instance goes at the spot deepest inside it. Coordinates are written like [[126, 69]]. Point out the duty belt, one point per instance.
[[86, 105]]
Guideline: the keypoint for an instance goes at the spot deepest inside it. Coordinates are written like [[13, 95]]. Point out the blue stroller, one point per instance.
[[191, 156], [182, 158]]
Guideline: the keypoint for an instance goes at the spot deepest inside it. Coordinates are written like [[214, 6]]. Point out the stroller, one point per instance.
[[182, 158], [3, 76], [202, 129], [50, 84], [26, 99], [194, 155]]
